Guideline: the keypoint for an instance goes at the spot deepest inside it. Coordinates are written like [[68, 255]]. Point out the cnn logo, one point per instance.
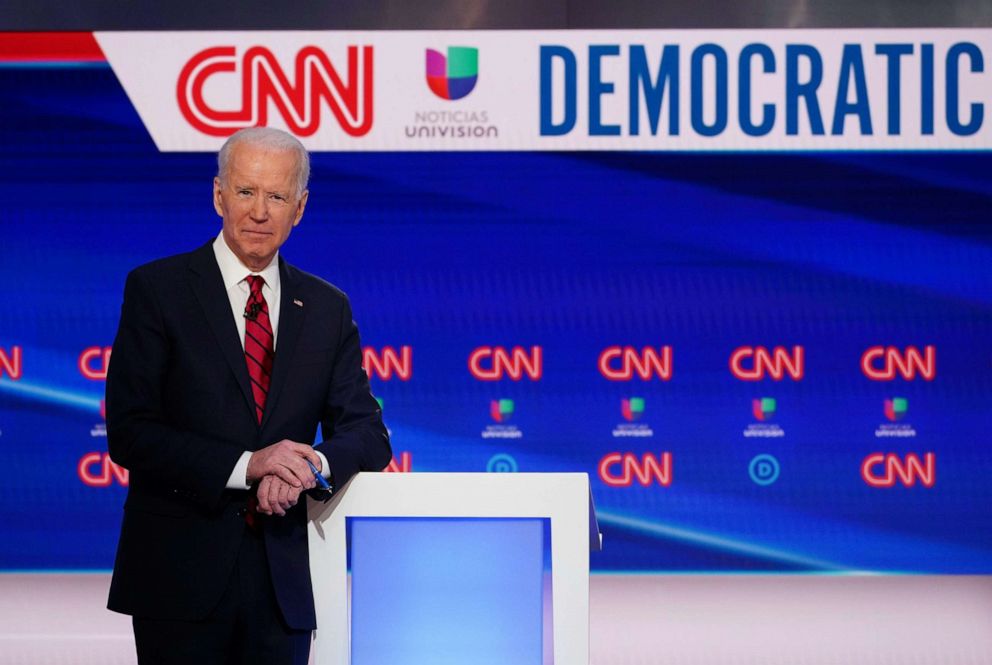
[[388, 363], [98, 470], [492, 363], [884, 363], [402, 465], [885, 469], [11, 363], [622, 363], [93, 362], [754, 363], [623, 469], [262, 82]]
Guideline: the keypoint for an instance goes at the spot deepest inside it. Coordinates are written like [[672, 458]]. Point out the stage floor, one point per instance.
[[48, 618]]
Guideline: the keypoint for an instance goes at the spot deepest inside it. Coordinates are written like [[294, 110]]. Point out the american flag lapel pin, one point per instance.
[[297, 302]]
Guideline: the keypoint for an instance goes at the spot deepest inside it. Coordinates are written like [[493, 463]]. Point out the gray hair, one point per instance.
[[273, 139]]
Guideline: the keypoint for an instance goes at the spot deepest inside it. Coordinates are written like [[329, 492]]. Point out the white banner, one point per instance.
[[565, 90]]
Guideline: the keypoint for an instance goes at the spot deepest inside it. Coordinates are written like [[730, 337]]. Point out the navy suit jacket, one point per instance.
[[180, 413]]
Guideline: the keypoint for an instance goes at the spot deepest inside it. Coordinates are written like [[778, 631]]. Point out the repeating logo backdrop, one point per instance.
[[764, 361]]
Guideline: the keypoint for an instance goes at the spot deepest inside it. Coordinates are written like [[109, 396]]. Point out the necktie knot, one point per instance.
[[255, 283]]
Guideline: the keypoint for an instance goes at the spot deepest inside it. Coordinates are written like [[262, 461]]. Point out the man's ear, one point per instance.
[[217, 200], [301, 206]]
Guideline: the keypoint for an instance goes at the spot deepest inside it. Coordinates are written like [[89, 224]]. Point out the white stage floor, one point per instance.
[[59, 619]]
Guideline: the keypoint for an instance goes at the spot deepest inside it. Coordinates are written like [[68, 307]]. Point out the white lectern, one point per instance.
[[383, 501]]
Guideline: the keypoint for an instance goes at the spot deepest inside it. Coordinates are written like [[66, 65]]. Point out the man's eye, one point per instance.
[[244, 192], [277, 197]]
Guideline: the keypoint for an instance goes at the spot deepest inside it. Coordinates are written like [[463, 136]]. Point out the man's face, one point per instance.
[[259, 202]]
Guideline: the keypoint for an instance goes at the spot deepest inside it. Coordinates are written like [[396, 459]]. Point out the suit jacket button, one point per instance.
[[242, 512]]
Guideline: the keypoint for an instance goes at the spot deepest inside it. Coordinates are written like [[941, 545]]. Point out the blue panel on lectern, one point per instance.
[[446, 591]]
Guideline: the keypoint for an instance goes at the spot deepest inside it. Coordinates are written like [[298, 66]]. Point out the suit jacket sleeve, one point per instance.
[[355, 438], [140, 435]]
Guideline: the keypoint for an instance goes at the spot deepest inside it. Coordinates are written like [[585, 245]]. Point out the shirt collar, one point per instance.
[[233, 271]]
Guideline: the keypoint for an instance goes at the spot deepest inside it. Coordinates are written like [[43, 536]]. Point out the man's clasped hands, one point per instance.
[[282, 474]]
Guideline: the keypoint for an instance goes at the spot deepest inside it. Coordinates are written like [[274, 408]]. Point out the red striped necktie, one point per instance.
[[258, 343]]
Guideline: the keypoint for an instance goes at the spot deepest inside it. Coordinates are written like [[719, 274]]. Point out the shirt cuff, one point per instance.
[[238, 480], [325, 468]]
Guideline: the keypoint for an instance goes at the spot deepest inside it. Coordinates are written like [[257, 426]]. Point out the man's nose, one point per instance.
[[259, 209]]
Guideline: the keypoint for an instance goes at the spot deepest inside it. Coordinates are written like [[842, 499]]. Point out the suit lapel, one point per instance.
[[208, 285], [291, 316]]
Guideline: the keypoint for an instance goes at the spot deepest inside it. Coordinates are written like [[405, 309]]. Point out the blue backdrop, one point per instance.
[[571, 252]]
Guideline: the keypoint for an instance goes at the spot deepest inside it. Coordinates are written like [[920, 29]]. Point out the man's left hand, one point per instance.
[[276, 496]]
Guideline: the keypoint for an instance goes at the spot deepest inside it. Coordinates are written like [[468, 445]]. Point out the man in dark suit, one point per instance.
[[226, 360]]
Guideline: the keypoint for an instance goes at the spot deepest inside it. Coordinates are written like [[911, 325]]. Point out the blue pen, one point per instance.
[[323, 484]]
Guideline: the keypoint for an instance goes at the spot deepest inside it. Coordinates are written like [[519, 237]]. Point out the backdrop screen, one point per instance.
[[764, 361]]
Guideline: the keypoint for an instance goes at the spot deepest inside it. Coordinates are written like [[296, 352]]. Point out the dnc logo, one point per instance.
[[454, 76]]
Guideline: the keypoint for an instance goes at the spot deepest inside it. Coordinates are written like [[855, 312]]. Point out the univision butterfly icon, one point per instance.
[[632, 408], [453, 76], [764, 408], [501, 409], [896, 408]]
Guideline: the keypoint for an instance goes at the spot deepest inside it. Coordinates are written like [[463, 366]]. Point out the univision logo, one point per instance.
[[895, 408], [501, 409], [764, 408], [632, 409], [454, 76]]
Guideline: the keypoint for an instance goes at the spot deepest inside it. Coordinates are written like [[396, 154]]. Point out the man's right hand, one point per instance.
[[285, 460]]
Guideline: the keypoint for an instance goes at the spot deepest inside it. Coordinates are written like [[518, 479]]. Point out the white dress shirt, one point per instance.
[[235, 274]]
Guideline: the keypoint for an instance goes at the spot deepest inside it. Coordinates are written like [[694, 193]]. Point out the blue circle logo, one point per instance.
[[764, 469], [501, 463]]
